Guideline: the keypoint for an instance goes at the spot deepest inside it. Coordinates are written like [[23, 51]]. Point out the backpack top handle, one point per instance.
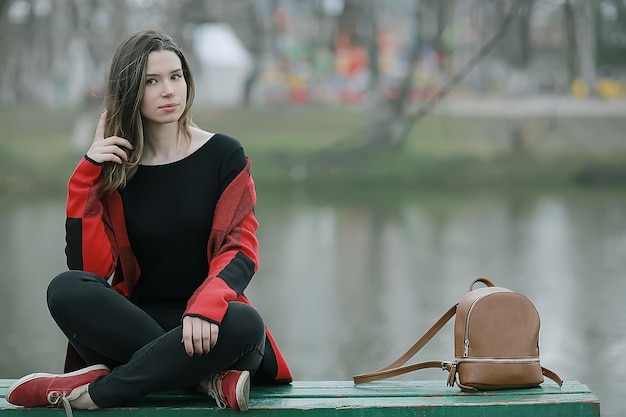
[[485, 281]]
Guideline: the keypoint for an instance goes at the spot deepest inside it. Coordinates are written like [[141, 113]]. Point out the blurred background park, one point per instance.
[[400, 148]]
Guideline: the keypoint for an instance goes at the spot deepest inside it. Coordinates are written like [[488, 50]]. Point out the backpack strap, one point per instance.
[[552, 375], [395, 368]]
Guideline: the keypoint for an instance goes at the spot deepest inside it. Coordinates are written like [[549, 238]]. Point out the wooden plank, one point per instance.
[[344, 399]]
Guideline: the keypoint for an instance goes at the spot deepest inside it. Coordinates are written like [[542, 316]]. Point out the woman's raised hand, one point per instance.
[[108, 149]]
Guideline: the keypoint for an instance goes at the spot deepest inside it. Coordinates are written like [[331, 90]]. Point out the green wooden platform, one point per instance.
[[343, 398]]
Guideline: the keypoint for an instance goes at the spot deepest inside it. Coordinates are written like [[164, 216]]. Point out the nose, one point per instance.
[[168, 91]]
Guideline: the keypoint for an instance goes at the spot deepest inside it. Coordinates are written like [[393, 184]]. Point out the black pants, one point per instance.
[[143, 346]]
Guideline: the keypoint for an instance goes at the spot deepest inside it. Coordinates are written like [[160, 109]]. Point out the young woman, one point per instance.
[[161, 244]]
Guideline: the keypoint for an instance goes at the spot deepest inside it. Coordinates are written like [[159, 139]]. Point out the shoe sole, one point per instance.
[[30, 377], [243, 390]]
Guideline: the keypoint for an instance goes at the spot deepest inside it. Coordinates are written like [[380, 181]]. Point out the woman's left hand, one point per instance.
[[199, 336]]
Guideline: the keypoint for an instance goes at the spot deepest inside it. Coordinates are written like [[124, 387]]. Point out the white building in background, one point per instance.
[[224, 65]]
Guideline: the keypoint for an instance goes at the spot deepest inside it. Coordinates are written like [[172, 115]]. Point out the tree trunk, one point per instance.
[[570, 34], [584, 14], [403, 120], [524, 34], [373, 93]]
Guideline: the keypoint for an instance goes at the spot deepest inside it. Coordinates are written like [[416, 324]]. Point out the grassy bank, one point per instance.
[[37, 152]]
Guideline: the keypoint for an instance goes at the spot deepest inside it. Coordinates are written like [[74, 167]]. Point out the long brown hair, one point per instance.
[[124, 92]]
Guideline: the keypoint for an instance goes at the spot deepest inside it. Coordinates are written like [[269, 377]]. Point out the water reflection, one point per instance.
[[348, 284], [31, 243], [354, 285]]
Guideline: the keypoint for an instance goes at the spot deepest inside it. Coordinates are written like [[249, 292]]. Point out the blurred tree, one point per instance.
[[516, 45], [570, 36], [585, 15], [97, 27], [57, 51], [611, 34], [53, 48], [349, 21], [394, 131], [8, 58], [399, 107], [374, 93], [255, 44]]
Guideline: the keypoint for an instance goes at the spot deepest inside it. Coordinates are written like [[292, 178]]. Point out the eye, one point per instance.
[[150, 81], [177, 76]]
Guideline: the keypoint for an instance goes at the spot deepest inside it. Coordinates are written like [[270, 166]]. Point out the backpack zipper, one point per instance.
[[533, 359], [466, 342]]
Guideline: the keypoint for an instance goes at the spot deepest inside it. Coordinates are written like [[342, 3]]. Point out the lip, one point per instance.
[[169, 107]]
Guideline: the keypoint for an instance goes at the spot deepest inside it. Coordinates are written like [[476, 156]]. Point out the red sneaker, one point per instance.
[[38, 390], [230, 388]]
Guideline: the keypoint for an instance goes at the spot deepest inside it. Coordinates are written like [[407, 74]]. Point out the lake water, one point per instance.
[[348, 282]]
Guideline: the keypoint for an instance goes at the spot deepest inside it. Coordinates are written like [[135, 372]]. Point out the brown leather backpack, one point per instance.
[[496, 343]]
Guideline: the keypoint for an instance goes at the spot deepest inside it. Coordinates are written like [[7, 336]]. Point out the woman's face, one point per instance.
[[165, 91]]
